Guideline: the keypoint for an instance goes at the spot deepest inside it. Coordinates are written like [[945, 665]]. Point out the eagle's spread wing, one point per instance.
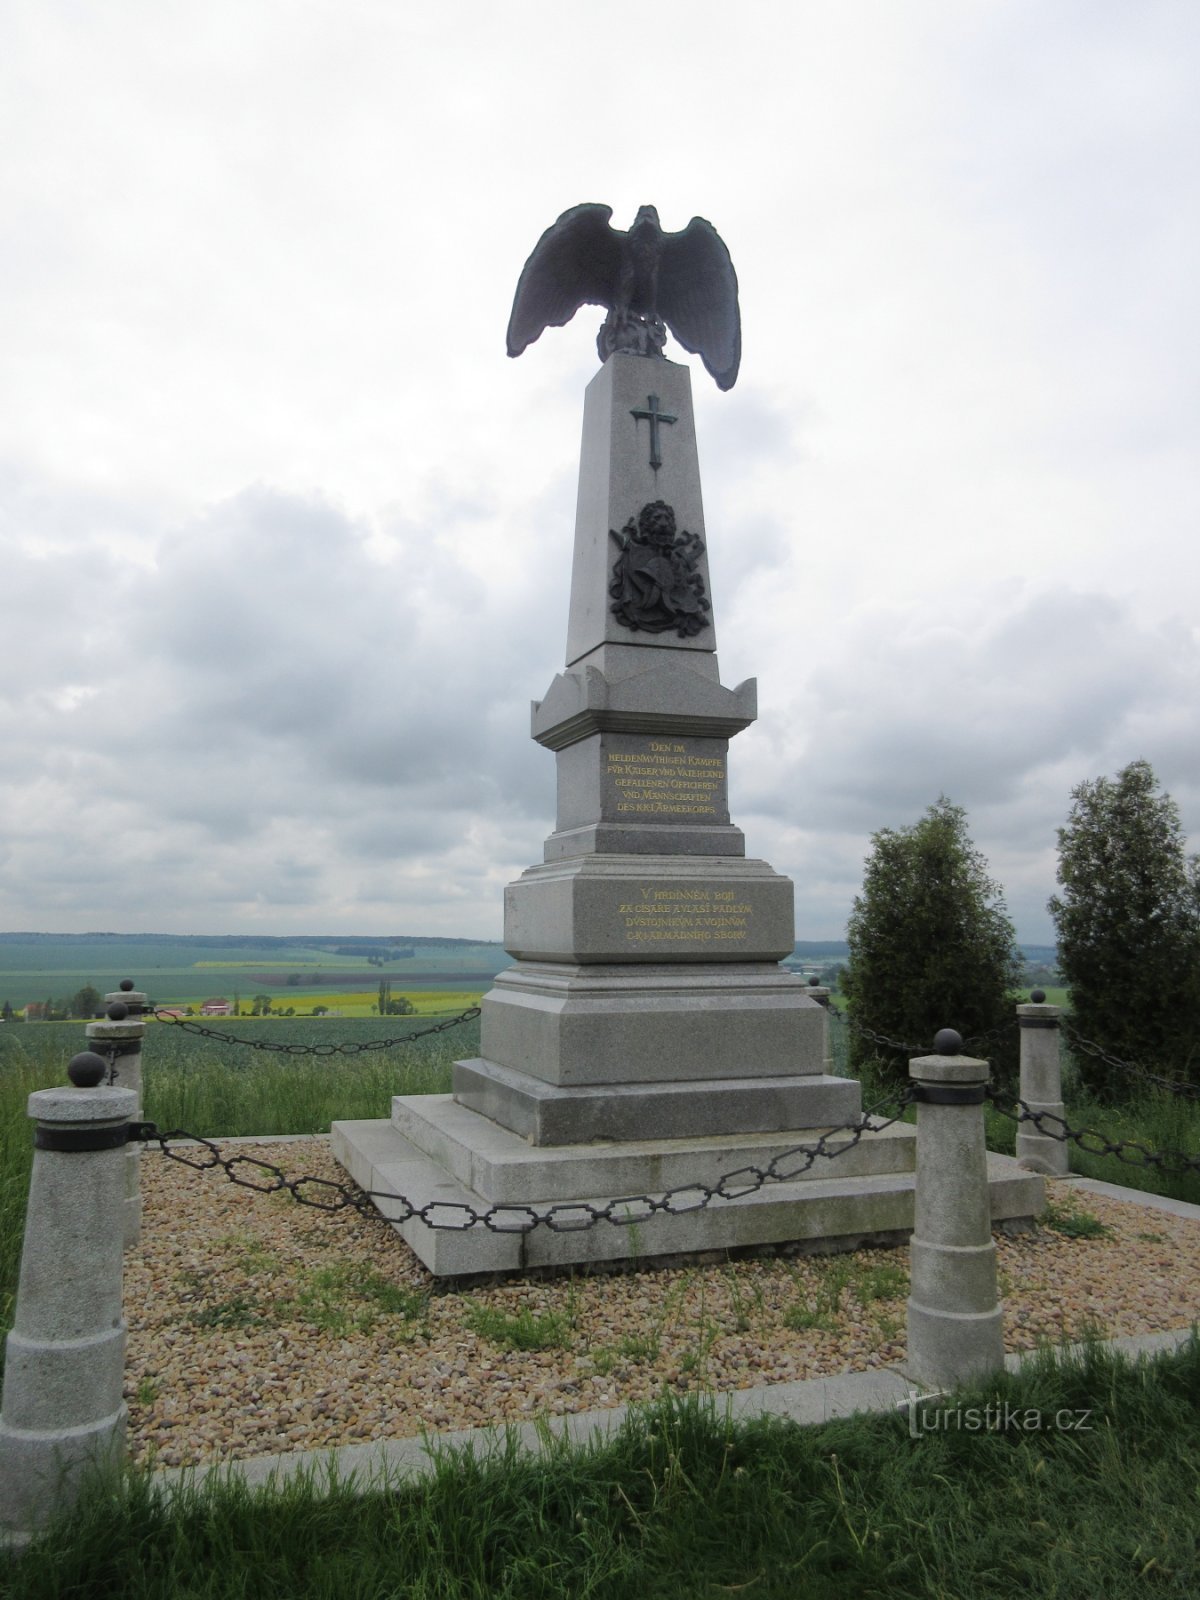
[[574, 263], [698, 298]]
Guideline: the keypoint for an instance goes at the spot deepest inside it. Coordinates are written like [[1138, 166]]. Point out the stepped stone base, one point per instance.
[[573, 1025], [436, 1150], [545, 1115]]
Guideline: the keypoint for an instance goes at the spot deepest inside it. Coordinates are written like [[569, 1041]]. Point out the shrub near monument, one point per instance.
[[1128, 924], [930, 944]]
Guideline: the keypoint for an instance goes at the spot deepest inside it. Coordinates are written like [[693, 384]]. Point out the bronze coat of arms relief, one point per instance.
[[656, 581]]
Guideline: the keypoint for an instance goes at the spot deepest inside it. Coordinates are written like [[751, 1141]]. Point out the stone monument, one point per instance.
[[646, 1037]]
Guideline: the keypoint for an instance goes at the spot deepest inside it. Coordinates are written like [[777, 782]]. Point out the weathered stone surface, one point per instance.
[[503, 1168], [955, 1320], [126, 1074], [644, 838], [1041, 1089], [573, 1025], [616, 480], [859, 1208], [663, 696], [62, 1411], [546, 1115], [649, 908]]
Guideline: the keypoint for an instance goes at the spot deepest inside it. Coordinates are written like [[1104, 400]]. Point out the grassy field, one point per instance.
[[340, 1003], [1089, 1489], [191, 970]]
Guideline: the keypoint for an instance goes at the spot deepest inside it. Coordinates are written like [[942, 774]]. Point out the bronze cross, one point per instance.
[[654, 416]]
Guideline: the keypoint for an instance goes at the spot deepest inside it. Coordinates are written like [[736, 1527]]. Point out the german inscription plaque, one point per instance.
[[648, 779]]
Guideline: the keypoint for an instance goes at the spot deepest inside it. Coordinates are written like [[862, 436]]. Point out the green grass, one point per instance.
[[222, 1090], [1067, 1217], [193, 969], [868, 1276], [684, 1503], [1152, 1117], [19, 1077], [520, 1330], [347, 1297]]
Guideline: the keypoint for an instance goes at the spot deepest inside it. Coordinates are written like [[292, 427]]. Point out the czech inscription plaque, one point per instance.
[[661, 916]]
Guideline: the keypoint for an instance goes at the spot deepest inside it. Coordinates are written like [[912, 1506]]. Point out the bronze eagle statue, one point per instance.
[[650, 281]]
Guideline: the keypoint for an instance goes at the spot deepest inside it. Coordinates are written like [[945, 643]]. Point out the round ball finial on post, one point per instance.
[[947, 1042], [117, 1012], [86, 1069], [1037, 997], [126, 984]]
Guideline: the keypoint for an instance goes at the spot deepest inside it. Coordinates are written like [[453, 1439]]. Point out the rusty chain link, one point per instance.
[[1088, 1047], [849, 1022], [345, 1049], [1095, 1143], [324, 1194], [901, 1046]]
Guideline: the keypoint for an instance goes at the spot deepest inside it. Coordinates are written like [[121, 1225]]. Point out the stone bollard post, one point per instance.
[[820, 993], [62, 1410], [1041, 1086], [118, 1038], [954, 1315]]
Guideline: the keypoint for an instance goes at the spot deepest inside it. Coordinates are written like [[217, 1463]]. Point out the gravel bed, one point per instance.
[[257, 1325]]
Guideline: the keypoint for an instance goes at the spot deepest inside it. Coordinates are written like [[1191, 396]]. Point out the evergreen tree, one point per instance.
[[1128, 925], [86, 1001], [931, 946]]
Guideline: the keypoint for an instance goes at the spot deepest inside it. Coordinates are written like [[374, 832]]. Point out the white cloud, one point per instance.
[[287, 536]]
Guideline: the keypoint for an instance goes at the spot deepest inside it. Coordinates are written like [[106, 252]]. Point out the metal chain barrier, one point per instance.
[[251, 1172], [348, 1049], [994, 1035], [902, 1047], [1172, 1162], [860, 1028], [1089, 1047]]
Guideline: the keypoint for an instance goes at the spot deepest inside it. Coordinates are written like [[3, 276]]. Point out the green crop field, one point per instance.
[[187, 970]]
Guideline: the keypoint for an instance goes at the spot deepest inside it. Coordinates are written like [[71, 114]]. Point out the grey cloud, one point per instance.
[[1004, 713], [269, 681]]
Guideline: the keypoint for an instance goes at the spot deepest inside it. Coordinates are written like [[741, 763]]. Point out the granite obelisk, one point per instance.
[[646, 998], [646, 1039]]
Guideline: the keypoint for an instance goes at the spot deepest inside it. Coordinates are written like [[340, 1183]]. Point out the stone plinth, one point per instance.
[[860, 1198]]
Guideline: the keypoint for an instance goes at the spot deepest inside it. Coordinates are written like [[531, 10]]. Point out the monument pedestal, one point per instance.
[[646, 1037]]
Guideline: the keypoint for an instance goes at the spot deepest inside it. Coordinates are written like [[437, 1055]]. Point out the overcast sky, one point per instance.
[[287, 536]]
